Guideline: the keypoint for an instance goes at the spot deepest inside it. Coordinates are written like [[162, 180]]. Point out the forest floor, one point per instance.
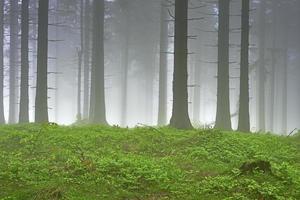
[[92, 162]]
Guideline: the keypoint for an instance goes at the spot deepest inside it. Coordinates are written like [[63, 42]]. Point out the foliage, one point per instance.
[[92, 162]]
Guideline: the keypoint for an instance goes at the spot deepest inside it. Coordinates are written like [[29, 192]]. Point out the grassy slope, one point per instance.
[[49, 162]]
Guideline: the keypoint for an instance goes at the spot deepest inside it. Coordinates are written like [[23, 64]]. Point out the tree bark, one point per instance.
[[24, 98], [163, 67], [13, 61], [244, 118], [41, 100], [2, 118], [86, 54], [260, 104], [223, 119], [180, 116], [99, 113]]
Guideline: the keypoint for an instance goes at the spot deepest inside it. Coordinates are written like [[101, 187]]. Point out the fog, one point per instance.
[[135, 47]]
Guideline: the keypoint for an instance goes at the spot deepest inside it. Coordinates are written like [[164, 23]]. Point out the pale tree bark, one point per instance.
[[223, 119], [41, 100], [125, 62], [261, 72], [13, 61], [86, 59], [163, 66], [2, 118], [180, 116]]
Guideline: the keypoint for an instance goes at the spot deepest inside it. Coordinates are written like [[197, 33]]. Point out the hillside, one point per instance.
[[92, 162]]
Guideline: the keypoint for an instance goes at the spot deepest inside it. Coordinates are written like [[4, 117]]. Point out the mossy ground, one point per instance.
[[93, 162]]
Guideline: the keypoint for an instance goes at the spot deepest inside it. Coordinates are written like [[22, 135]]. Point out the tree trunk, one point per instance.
[[13, 60], [24, 98], [163, 67], [80, 53], [244, 118], [98, 114], [125, 63], [2, 119], [261, 71], [223, 119], [274, 64], [180, 116], [41, 100], [86, 53]]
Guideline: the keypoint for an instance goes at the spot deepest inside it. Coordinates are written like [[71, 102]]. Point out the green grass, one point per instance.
[[92, 162]]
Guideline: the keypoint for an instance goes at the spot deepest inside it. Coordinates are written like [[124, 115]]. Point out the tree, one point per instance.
[[97, 108], [80, 54], [244, 118], [86, 58], [163, 66], [125, 61], [2, 119], [13, 61], [261, 71], [41, 100], [180, 116], [223, 119], [24, 98]]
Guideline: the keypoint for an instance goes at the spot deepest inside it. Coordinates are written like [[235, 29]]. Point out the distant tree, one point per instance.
[[86, 58], [2, 119], [24, 98], [261, 71], [163, 66], [125, 59], [97, 108], [13, 61], [244, 118], [80, 55], [223, 119], [180, 116], [41, 100]]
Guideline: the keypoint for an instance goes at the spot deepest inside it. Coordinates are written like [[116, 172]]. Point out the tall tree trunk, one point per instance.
[[98, 114], [274, 64], [2, 119], [41, 100], [13, 60], [79, 116], [261, 71], [223, 119], [284, 90], [86, 53], [244, 118], [80, 53], [125, 63], [163, 67], [24, 98], [180, 116]]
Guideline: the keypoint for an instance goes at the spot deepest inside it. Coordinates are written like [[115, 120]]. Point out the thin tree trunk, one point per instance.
[[86, 53], [163, 67], [79, 116], [2, 118], [99, 113], [13, 60], [80, 53], [273, 65], [261, 71], [180, 116], [244, 118], [41, 100], [24, 98], [124, 64], [284, 91], [223, 119]]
